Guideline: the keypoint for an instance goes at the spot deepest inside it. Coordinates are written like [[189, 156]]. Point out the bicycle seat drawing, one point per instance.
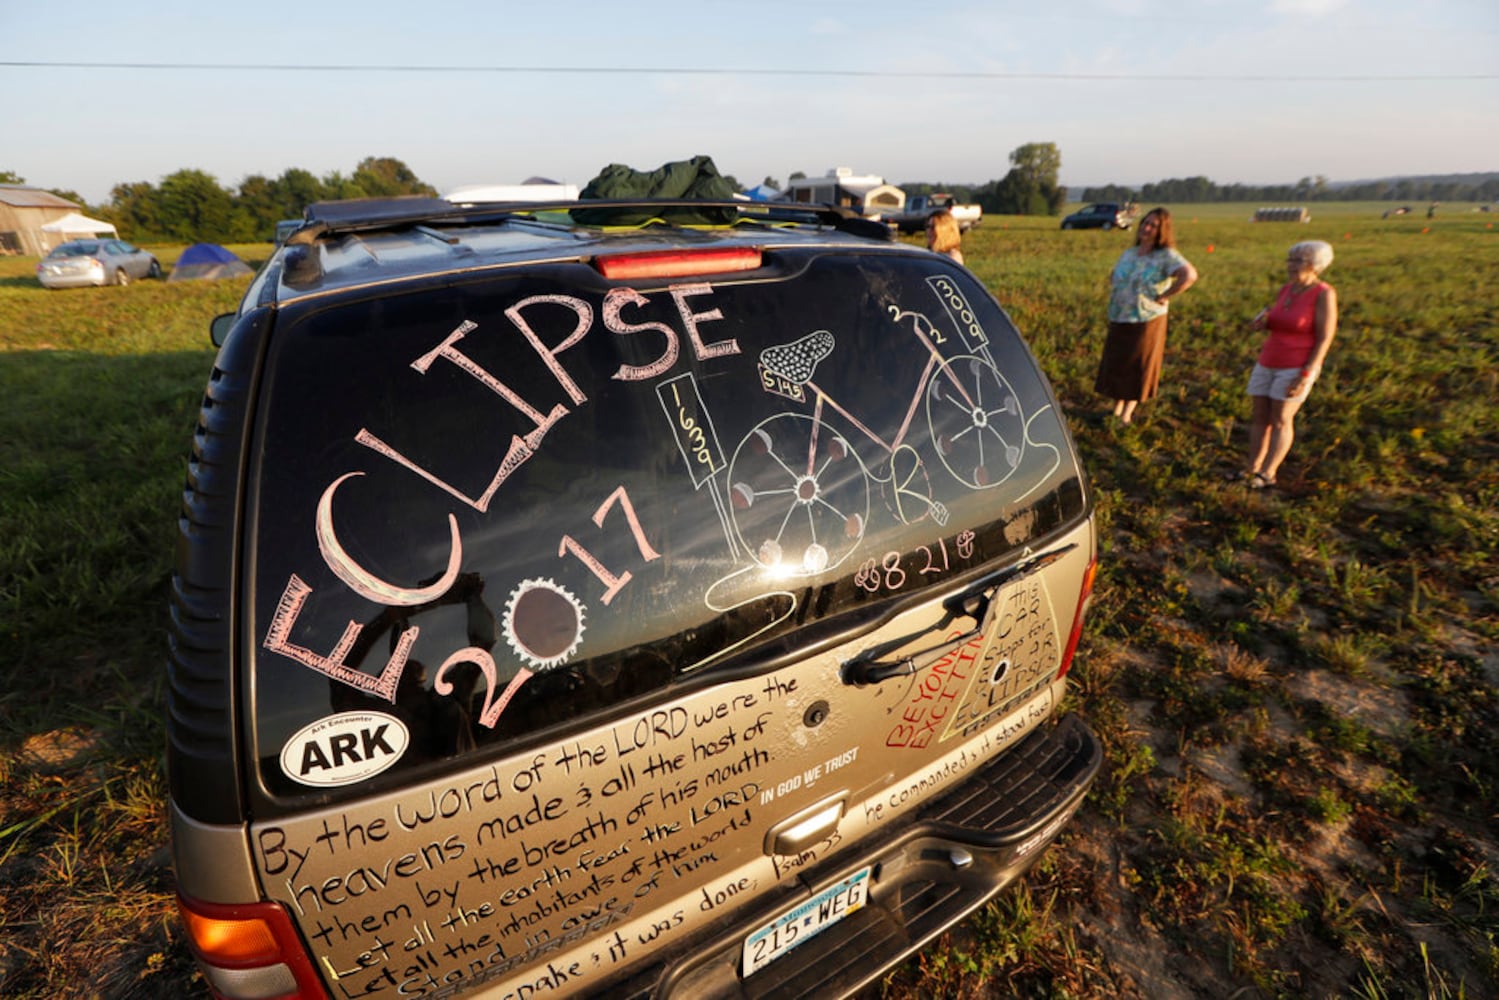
[[800, 492]]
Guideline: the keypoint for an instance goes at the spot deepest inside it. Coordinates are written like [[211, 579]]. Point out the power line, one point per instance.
[[751, 71]]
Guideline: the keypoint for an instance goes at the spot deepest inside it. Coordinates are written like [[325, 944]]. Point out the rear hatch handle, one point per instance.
[[808, 828], [869, 667]]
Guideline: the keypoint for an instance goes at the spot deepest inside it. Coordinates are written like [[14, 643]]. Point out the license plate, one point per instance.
[[804, 921]]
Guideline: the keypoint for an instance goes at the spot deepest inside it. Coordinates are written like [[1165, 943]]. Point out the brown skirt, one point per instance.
[[1131, 363]]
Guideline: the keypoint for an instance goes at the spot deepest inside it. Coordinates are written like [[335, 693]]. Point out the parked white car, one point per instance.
[[77, 263]]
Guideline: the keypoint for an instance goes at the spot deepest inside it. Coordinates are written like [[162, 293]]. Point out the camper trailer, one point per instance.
[[868, 195]]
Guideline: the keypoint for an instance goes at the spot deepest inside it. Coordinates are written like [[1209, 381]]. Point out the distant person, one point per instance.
[[1300, 326], [943, 235], [1431, 210], [1147, 276]]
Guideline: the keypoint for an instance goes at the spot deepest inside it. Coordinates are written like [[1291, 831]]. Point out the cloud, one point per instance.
[[1307, 8]]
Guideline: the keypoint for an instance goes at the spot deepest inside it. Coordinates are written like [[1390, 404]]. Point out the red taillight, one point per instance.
[[1077, 619], [249, 950], [678, 263]]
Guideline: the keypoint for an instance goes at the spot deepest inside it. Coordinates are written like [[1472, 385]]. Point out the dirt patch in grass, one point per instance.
[[1372, 704], [56, 752]]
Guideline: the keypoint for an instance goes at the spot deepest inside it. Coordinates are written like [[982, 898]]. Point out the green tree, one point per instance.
[[258, 203], [386, 176], [135, 210], [336, 186], [295, 189], [264, 202], [1030, 188], [261, 202], [194, 207], [11, 177]]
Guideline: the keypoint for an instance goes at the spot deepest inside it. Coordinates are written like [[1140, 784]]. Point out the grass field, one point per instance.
[[1298, 690]]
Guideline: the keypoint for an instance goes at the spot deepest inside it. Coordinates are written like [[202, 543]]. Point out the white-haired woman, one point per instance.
[[1300, 327]]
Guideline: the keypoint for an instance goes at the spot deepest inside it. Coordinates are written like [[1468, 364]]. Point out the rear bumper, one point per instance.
[[928, 875], [78, 279]]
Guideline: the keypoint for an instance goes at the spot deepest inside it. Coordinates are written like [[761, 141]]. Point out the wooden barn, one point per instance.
[[24, 211]]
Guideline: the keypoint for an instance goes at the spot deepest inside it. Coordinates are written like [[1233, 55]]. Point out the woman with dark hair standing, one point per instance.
[[1147, 276]]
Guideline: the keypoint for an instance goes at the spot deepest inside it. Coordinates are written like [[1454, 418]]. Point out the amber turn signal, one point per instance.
[[231, 942]]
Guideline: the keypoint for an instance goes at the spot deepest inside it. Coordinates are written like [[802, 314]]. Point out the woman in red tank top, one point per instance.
[[1300, 327]]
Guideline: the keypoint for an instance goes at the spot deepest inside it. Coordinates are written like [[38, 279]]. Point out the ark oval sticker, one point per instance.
[[345, 748]]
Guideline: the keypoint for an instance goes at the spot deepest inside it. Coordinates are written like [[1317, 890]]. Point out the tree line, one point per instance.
[[1031, 188], [191, 206], [1190, 190]]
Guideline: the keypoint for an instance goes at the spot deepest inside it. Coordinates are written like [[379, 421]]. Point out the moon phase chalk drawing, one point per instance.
[[543, 623]]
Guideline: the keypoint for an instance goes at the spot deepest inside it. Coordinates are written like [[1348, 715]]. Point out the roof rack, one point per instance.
[[365, 214]]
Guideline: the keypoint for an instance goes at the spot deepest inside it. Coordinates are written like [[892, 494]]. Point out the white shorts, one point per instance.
[[1275, 382]]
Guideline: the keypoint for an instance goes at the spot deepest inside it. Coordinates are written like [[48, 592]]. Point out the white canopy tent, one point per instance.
[[75, 225]]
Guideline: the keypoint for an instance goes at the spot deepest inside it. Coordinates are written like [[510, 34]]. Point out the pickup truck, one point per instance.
[[918, 207]]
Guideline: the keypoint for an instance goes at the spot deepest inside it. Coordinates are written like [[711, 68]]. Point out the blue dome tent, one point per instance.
[[763, 192], [207, 260]]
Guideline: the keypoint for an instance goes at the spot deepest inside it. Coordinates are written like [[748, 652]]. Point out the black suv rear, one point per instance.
[[663, 599]]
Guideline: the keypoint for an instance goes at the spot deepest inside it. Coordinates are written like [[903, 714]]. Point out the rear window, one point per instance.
[[487, 509], [74, 250]]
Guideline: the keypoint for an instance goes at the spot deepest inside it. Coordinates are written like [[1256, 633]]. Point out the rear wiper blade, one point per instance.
[[869, 667]]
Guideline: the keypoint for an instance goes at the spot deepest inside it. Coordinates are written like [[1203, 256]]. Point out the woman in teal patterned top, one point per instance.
[[1147, 276]]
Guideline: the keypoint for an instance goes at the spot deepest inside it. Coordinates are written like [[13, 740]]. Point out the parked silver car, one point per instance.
[[95, 262]]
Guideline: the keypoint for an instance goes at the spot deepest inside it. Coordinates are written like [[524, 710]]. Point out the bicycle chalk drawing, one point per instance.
[[800, 493], [795, 497]]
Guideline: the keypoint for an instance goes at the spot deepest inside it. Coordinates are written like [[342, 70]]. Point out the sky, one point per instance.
[[1130, 91]]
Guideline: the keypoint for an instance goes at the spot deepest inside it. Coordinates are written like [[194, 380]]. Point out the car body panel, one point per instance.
[[506, 869], [571, 628]]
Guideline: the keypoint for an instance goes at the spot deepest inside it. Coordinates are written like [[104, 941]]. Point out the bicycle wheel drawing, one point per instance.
[[799, 496], [975, 419]]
